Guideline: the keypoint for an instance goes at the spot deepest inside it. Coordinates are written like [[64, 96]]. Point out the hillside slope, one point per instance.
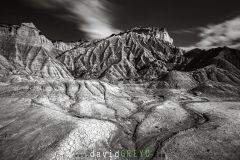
[[139, 53], [25, 52]]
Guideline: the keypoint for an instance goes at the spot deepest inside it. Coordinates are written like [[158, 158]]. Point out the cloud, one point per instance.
[[185, 31], [92, 16], [217, 35]]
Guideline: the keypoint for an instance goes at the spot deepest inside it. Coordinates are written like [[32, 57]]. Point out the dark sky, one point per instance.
[[179, 17]]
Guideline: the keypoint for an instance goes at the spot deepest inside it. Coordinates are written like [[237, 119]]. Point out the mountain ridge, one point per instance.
[[139, 54]]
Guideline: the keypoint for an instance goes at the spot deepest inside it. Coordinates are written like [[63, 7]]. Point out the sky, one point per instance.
[[191, 23]]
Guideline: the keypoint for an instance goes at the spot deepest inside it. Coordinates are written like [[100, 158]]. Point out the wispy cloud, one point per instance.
[[226, 33], [185, 31], [93, 16]]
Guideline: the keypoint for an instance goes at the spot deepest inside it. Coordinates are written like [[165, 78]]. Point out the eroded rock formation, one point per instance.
[[25, 52], [138, 53]]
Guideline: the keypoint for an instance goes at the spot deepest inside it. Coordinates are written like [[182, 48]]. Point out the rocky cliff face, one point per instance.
[[25, 52], [26, 33], [138, 53], [134, 93], [59, 45]]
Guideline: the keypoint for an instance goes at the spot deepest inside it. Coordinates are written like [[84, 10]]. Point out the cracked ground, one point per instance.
[[61, 120]]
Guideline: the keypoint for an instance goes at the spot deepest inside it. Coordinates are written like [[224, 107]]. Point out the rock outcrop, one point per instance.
[[25, 52], [26, 33], [62, 46], [138, 53]]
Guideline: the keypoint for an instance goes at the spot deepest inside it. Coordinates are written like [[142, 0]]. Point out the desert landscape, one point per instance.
[[132, 95]]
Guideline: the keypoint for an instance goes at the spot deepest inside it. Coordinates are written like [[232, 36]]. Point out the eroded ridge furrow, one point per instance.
[[146, 108], [197, 119]]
